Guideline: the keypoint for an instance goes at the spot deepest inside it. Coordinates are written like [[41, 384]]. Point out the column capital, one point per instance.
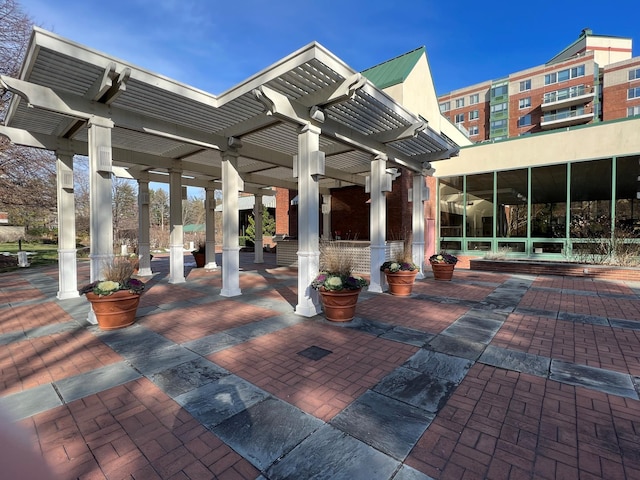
[[310, 128], [94, 120]]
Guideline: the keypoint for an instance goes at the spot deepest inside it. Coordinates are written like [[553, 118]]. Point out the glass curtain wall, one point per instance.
[[512, 199], [549, 208], [627, 205], [479, 210], [451, 196]]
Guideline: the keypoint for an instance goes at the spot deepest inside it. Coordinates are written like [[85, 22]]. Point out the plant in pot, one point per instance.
[[401, 272], [200, 255], [115, 298], [337, 285], [442, 265]]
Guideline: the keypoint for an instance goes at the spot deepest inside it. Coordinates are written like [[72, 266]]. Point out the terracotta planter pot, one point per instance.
[[443, 271], [339, 306], [117, 310], [401, 282], [200, 259]]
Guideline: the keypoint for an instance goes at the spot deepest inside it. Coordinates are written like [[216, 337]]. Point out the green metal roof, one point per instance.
[[394, 71]]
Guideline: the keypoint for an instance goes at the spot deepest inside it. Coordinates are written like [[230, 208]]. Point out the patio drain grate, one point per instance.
[[315, 353]]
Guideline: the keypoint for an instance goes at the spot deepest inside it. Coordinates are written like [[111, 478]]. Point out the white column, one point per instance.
[[326, 217], [378, 222], [100, 194], [308, 221], [417, 224], [257, 215], [67, 263], [230, 225], [144, 250], [210, 228], [176, 233]]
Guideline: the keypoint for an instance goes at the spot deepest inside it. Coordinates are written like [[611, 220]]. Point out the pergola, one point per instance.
[[308, 123]]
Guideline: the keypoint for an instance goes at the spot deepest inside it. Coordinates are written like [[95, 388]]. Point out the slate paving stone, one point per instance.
[[587, 319], [215, 402], [266, 431], [212, 343], [439, 365], [386, 424], [332, 454], [458, 347], [628, 324], [469, 332], [421, 390], [53, 329], [187, 376], [614, 383], [132, 341], [518, 361], [538, 312], [371, 327], [408, 473], [7, 338], [98, 380], [30, 402], [262, 327], [161, 358], [408, 336]]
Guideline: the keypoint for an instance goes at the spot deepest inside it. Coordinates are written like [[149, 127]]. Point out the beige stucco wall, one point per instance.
[[620, 138], [418, 94]]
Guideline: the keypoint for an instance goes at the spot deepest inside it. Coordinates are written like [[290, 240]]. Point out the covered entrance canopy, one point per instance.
[[308, 123]]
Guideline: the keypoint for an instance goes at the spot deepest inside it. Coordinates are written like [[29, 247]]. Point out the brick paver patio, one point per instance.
[[490, 376]]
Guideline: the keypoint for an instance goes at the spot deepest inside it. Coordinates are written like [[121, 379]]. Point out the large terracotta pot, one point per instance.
[[339, 306], [401, 282], [200, 259], [443, 271], [117, 310]]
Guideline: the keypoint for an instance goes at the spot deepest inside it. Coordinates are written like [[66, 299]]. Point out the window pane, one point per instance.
[[627, 202], [591, 200], [512, 204], [451, 200], [479, 204], [548, 201]]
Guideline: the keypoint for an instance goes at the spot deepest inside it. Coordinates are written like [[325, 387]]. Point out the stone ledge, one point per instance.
[[537, 267]]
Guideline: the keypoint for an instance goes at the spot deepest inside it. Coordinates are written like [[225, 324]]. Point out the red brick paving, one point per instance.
[[623, 308], [190, 323], [430, 317], [132, 431], [322, 387], [26, 317], [159, 294], [583, 284], [41, 360], [443, 289], [585, 344], [507, 425]]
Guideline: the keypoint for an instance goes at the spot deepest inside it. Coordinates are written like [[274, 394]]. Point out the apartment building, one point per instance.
[[594, 79]]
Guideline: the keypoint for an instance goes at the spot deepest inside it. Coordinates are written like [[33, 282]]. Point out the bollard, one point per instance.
[[23, 261]]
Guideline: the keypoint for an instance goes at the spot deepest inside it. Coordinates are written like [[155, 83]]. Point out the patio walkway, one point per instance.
[[489, 376]]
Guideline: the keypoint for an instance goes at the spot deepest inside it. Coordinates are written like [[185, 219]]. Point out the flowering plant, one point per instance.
[[337, 264], [393, 266], [337, 281], [443, 257], [117, 276]]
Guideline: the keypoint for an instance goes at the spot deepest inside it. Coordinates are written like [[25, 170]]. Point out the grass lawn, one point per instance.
[[38, 254]]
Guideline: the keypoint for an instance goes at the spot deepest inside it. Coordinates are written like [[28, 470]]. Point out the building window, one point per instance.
[[459, 117], [473, 131], [563, 75], [498, 124], [634, 93], [473, 99], [445, 107], [634, 74], [525, 85], [459, 102], [525, 102], [473, 115], [633, 111], [524, 121], [499, 90], [498, 107]]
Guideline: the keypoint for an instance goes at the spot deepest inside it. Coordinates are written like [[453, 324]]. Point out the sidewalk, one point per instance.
[[488, 376]]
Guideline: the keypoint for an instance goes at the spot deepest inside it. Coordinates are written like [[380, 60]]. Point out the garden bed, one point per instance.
[[541, 267]]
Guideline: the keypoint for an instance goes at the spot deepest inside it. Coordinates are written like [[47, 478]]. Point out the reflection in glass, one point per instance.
[[591, 199], [512, 204], [549, 201], [480, 205], [627, 202], [451, 199]]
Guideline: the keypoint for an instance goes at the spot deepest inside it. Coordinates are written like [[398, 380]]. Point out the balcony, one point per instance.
[[568, 97], [566, 118]]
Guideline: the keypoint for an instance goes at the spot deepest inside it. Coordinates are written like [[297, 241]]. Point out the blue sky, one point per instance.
[[216, 44]]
